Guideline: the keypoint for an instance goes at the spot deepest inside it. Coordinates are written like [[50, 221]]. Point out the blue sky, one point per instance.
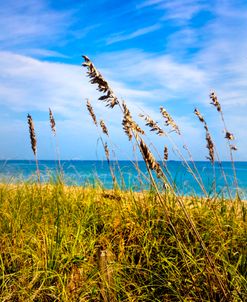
[[153, 52]]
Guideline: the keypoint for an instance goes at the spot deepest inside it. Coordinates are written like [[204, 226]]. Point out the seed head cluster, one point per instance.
[[103, 127], [229, 136], [198, 114], [165, 153], [210, 144], [107, 153], [91, 112], [103, 86], [149, 158], [152, 124], [169, 120], [215, 101], [234, 148], [32, 134], [129, 124], [52, 122]]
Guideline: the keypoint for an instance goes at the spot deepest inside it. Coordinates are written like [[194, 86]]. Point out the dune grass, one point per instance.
[[61, 243]]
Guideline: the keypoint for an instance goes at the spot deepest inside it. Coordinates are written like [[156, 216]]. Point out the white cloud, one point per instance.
[[33, 24], [42, 53], [149, 3], [137, 33], [162, 75], [31, 85], [176, 10], [182, 10]]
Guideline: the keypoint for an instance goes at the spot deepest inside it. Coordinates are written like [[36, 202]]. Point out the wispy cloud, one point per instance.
[[148, 3], [32, 84], [137, 33], [42, 53], [182, 10], [177, 10], [163, 75], [30, 22]]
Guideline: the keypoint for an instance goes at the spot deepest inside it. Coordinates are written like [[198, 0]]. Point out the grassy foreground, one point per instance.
[[61, 243]]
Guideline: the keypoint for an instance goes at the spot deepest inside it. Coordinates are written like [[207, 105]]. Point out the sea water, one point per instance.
[[216, 179]]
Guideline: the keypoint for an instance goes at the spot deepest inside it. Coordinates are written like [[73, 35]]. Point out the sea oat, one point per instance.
[[210, 147], [103, 127], [169, 120], [32, 134], [103, 86], [91, 112], [215, 101], [165, 153], [234, 148], [152, 124], [149, 158], [210, 144], [129, 124], [127, 120], [107, 153], [52, 122], [199, 115], [201, 119], [229, 136]]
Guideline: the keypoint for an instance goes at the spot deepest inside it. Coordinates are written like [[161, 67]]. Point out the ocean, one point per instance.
[[77, 172]]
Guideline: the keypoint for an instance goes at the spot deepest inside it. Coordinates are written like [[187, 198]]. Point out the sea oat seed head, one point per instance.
[[169, 120], [215, 101], [210, 144], [210, 147], [234, 148], [149, 158], [32, 134], [229, 136], [152, 124], [165, 153], [197, 113], [52, 122], [103, 127], [129, 124], [107, 154], [91, 112], [103, 86]]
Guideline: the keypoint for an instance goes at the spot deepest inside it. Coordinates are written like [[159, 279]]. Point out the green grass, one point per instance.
[[61, 243]]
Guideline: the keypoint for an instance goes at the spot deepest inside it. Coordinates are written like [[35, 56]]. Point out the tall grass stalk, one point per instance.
[[54, 132], [33, 143], [132, 129], [104, 143], [228, 135]]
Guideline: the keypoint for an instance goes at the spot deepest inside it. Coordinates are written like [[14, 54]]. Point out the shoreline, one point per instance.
[[110, 192]]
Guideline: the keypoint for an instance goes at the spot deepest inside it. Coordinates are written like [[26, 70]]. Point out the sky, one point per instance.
[[152, 52]]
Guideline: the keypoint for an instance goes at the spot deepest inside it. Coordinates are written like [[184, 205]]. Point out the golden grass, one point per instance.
[[61, 243], [64, 243]]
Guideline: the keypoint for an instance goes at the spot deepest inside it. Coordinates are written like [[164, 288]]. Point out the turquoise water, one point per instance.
[[93, 172]]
